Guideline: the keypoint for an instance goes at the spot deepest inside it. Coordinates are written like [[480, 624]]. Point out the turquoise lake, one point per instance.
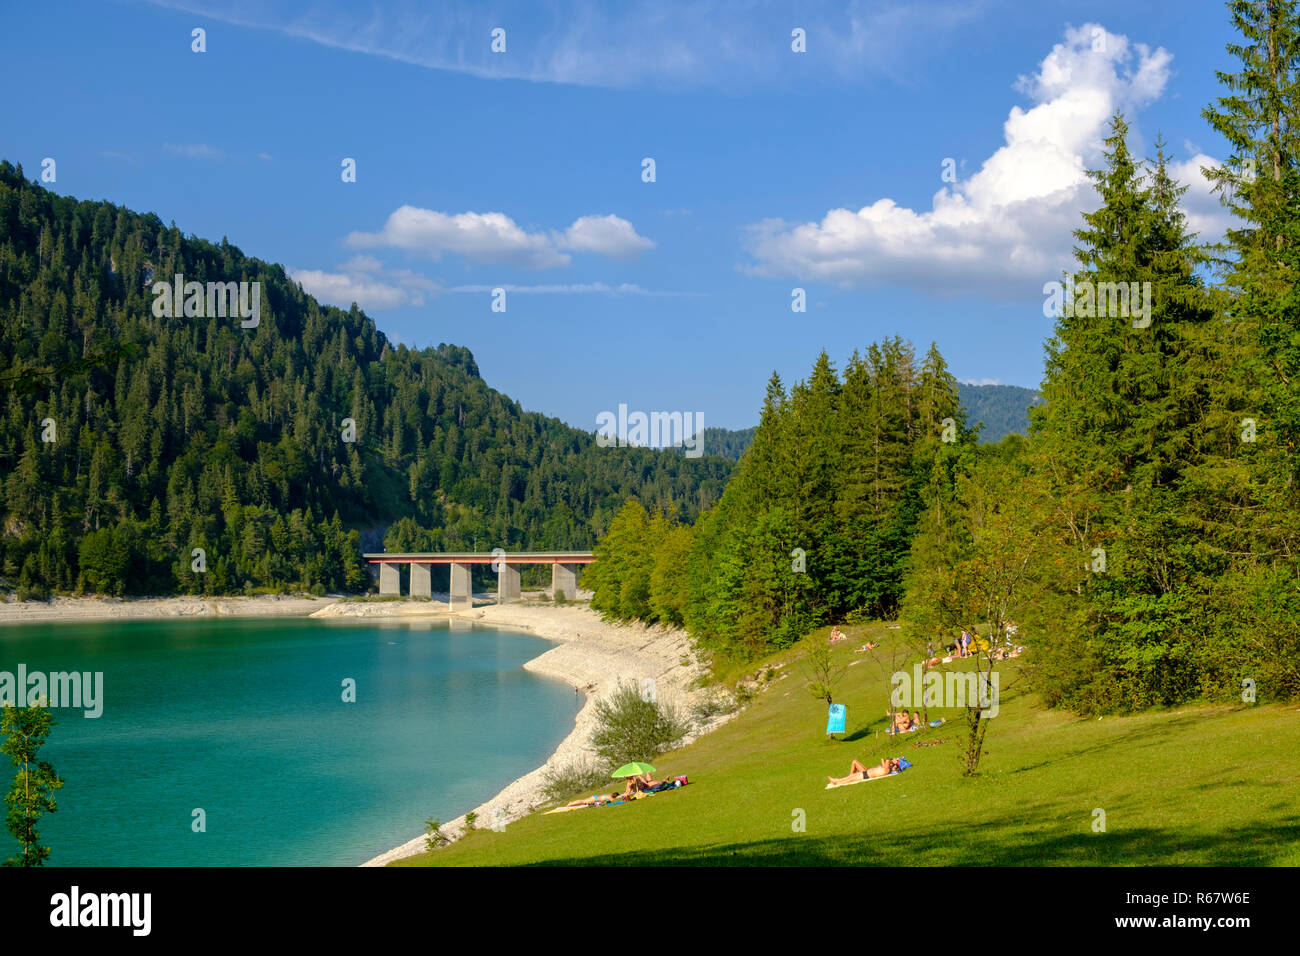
[[245, 719]]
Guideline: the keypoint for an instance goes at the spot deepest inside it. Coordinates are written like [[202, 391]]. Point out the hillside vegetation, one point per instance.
[[128, 440]]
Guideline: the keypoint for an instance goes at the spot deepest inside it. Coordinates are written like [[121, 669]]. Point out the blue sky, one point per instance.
[[523, 170]]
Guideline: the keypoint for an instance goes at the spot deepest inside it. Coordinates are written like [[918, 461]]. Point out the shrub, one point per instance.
[[711, 705], [471, 821], [559, 597], [583, 776], [434, 836], [33, 592], [630, 727]]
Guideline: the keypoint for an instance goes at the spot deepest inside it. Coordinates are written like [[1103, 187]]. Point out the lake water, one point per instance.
[[245, 719]]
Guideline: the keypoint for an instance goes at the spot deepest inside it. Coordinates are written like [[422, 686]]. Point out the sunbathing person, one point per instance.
[[860, 771], [902, 722], [593, 801], [640, 783]]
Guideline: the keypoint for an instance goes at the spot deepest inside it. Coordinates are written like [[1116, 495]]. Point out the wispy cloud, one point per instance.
[[577, 288], [674, 43], [999, 230], [365, 281], [495, 238], [193, 150]]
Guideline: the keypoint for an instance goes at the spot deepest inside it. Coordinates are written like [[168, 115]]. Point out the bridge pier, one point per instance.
[[390, 578], [461, 589], [421, 586], [564, 580], [507, 584]]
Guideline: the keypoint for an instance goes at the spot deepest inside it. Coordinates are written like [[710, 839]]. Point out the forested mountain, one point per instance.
[[128, 439], [727, 443], [1003, 409]]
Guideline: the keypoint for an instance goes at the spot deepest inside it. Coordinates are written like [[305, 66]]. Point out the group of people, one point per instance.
[[636, 785]]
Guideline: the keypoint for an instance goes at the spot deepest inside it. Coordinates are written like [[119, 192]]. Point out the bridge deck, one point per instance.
[[482, 557]]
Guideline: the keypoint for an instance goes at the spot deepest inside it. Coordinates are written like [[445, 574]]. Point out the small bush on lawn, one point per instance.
[[631, 727], [580, 777]]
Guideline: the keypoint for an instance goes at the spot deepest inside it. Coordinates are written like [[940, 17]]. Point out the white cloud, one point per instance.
[[1206, 215], [364, 281], [981, 381], [1010, 223], [495, 238], [606, 235], [490, 237]]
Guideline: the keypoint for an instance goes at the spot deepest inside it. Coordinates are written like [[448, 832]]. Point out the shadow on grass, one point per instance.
[[1251, 845], [1148, 735]]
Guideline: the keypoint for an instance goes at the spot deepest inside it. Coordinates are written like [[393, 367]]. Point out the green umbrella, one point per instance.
[[633, 769]]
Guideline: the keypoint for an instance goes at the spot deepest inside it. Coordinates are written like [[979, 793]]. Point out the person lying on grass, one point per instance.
[[593, 801], [902, 722], [860, 771]]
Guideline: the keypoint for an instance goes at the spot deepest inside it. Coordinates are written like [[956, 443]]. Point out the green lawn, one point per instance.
[[1202, 785]]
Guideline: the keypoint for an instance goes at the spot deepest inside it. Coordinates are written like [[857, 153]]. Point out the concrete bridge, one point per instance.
[[564, 572]]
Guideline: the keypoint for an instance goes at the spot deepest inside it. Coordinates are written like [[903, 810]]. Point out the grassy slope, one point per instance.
[[1199, 785]]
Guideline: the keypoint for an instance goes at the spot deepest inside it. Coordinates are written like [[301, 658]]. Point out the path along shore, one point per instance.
[[590, 655]]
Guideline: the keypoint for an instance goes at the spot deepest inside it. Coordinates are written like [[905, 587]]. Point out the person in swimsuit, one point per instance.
[[902, 722], [593, 801], [860, 771], [639, 784]]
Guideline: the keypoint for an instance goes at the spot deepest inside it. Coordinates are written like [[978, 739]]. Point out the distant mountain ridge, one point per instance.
[[1004, 410]]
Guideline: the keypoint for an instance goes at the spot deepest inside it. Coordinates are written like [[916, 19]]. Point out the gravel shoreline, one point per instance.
[[65, 609]]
